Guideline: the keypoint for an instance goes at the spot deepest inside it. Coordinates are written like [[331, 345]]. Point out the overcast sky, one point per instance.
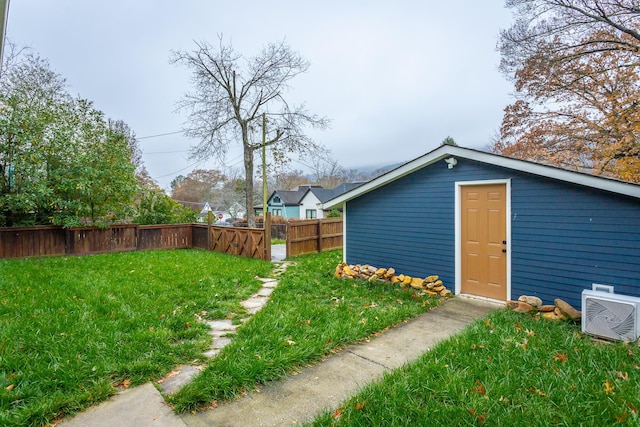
[[395, 77]]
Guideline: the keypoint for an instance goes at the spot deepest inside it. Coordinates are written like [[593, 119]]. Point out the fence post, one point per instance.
[[209, 223], [67, 241], [319, 235], [288, 241], [267, 236]]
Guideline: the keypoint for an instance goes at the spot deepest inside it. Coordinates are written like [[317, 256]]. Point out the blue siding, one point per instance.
[[564, 237], [407, 224]]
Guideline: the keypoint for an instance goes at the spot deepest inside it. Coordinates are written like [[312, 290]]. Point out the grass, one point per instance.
[[311, 314], [278, 241], [508, 370], [73, 329]]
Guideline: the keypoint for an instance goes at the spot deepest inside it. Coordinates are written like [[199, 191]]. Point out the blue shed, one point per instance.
[[497, 227]]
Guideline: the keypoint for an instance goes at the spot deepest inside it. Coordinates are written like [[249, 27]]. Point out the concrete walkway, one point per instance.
[[302, 397], [298, 398], [278, 252]]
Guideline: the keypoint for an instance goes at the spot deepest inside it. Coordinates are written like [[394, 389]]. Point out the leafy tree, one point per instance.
[[156, 207], [175, 182], [60, 162], [575, 67], [123, 128], [449, 141], [233, 97], [199, 186]]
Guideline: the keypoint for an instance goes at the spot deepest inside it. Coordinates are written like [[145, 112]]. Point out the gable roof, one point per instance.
[[293, 197], [324, 194], [290, 197], [446, 151]]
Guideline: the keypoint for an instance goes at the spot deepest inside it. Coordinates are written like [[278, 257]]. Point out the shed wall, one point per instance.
[[564, 237]]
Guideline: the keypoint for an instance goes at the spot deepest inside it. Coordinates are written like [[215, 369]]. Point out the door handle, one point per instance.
[[504, 250], [504, 242]]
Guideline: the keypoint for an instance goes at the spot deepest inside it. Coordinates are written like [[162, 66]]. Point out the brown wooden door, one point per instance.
[[484, 234]]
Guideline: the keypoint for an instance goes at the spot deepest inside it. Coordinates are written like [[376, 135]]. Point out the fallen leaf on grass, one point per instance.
[[561, 357], [360, 406], [338, 413], [481, 418], [608, 387], [623, 375], [524, 344], [10, 387], [622, 417], [479, 388], [537, 391], [123, 384]]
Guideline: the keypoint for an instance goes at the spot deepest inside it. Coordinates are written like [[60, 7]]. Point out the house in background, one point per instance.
[[496, 227], [305, 202], [286, 203], [312, 203]]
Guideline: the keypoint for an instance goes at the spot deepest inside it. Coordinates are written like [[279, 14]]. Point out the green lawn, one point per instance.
[[311, 314], [74, 328], [508, 370]]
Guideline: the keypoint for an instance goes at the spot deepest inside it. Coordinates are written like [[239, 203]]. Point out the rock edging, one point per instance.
[[431, 285], [559, 310]]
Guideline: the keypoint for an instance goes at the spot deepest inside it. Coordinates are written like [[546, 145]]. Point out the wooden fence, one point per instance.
[[21, 242], [307, 236], [315, 235]]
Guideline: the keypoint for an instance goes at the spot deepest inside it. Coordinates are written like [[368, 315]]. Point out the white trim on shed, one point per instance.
[[445, 151]]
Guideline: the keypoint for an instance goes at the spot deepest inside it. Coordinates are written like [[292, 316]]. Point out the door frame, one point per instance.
[[458, 231]]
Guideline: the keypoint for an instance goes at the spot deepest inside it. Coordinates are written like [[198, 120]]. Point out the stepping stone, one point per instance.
[[272, 284], [178, 378], [220, 343], [254, 304], [221, 325], [265, 292]]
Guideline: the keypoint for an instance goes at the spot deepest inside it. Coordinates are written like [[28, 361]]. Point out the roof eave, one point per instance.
[[442, 152]]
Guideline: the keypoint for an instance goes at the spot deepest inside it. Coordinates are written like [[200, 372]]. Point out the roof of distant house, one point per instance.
[[324, 194], [294, 197]]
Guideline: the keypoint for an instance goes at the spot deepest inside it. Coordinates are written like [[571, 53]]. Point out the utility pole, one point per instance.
[[264, 167], [4, 17]]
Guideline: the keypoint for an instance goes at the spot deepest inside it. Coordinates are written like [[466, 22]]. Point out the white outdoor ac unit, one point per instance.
[[611, 316]]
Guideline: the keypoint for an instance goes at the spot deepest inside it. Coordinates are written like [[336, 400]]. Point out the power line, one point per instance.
[[160, 134], [163, 152], [171, 173]]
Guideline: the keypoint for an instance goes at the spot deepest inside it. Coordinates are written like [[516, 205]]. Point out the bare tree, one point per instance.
[[232, 98], [327, 171]]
